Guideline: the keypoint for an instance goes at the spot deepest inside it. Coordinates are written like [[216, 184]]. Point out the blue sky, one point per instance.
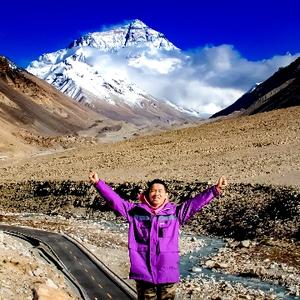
[[256, 29]]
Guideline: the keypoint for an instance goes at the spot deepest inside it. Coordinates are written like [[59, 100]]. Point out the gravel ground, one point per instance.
[[273, 261]]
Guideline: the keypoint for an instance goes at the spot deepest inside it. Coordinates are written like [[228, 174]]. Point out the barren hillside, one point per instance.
[[34, 116], [261, 148], [281, 90]]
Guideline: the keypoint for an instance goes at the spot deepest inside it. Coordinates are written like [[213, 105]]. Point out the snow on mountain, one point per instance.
[[95, 67], [135, 34], [253, 87], [7, 63]]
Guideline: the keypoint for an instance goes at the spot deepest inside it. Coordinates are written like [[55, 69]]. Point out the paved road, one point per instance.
[[95, 282]]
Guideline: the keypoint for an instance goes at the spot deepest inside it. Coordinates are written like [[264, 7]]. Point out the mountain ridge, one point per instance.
[[34, 115], [281, 90]]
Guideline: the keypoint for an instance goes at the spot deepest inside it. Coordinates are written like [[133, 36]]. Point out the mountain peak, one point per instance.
[[6, 64], [136, 33], [137, 24]]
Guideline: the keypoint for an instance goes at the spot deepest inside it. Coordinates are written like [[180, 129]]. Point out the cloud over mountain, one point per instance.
[[210, 78], [133, 61]]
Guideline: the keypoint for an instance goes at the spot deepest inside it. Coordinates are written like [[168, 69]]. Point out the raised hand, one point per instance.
[[222, 183], [93, 177]]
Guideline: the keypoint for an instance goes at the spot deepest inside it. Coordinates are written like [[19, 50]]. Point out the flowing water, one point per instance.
[[212, 245]]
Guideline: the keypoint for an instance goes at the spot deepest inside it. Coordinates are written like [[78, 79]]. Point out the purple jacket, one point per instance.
[[153, 239]]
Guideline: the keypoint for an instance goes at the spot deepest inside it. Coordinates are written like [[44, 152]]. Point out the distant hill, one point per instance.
[[281, 90], [33, 113], [30, 102]]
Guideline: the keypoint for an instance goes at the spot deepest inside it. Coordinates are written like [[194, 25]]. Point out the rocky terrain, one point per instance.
[[244, 211], [261, 221], [108, 241], [36, 117], [31, 109], [272, 261], [22, 268], [257, 217]]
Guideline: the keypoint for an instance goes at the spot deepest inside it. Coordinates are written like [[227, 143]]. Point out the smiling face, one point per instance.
[[157, 194]]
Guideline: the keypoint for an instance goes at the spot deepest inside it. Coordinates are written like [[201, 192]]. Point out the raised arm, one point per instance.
[[188, 208], [113, 199]]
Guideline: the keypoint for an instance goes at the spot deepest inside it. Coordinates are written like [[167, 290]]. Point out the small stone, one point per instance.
[[246, 243], [51, 284], [38, 272], [221, 265], [234, 244], [210, 263], [196, 269], [44, 292]]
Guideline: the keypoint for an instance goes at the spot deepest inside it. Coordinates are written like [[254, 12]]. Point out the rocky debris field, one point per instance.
[[274, 261], [260, 222], [56, 142], [25, 275], [108, 241]]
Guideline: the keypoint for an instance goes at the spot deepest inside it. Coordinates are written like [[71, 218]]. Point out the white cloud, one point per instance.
[[208, 79]]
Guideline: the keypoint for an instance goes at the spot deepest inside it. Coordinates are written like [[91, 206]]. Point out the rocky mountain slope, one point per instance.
[[26, 273], [261, 148], [33, 114], [281, 90]]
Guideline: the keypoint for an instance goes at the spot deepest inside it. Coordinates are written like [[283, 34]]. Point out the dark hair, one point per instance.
[[150, 184]]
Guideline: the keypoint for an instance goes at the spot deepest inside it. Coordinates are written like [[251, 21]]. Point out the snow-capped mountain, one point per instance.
[[95, 70], [136, 34]]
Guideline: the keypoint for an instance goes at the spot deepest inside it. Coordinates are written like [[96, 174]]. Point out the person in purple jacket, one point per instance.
[[153, 235]]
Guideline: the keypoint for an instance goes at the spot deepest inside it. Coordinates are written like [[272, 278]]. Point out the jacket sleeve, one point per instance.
[[113, 199], [188, 208]]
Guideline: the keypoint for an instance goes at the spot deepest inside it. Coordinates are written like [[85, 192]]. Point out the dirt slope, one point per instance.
[[261, 148]]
